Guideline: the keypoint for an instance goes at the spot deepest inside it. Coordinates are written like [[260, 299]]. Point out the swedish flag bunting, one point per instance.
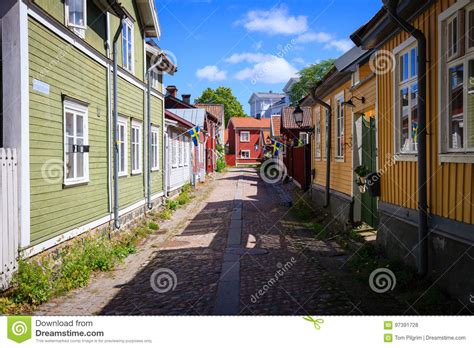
[[194, 132], [276, 145]]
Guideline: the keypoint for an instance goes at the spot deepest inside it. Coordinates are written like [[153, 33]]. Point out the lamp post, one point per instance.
[[298, 116]]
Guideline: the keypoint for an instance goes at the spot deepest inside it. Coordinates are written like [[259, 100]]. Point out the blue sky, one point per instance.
[[254, 45]]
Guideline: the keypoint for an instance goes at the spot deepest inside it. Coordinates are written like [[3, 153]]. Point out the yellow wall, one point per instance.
[[341, 169], [450, 185]]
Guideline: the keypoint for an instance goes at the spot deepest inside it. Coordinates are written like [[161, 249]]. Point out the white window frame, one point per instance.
[[405, 48], [244, 151], [155, 81], [136, 147], [80, 30], [155, 148], [187, 151], [447, 154], [339, 126], [129, 66], [317, 134], [122, 122], [182, 155], [174, 150], [77, 110], [248, 136], [449, 21]]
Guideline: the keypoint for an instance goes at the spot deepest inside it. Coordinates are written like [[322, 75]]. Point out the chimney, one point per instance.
[[172, 90], [186, 98]]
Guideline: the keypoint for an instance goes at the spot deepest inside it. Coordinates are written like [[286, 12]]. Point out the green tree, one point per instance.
[[309, 77], [223, 95]]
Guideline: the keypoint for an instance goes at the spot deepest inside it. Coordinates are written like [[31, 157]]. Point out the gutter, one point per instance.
[[391, 7], [148, 118], [117, 223], [328, 145]]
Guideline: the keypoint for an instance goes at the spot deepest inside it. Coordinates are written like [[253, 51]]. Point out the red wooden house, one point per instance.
[[246, 140]]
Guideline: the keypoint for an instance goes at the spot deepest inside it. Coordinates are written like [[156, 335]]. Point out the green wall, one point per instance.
[[55, 209]]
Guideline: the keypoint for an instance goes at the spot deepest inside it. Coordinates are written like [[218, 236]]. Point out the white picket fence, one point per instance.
[[8, 216]]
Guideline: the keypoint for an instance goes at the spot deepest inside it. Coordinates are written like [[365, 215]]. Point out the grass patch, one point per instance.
[[152, 225], [165, 214]]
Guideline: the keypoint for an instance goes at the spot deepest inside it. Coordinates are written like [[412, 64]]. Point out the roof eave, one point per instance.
[[149, 17]]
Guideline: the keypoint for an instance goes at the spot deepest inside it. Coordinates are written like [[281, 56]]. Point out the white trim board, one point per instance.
[[36, 249]]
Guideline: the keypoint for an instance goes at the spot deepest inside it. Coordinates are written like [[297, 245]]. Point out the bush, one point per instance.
[[220, 167], [171, 205], [153, 226], [31, 284], [165, 214], [183, 198]]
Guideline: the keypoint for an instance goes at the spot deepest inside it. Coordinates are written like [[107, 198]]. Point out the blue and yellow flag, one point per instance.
[[276, 145], [194, 132]]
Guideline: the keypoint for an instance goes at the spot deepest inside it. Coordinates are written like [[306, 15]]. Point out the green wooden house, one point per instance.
[[59, 85]]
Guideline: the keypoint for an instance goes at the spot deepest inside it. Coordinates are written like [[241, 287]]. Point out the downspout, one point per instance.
[[115, 127], [328, 145], [109, 120], [391, 7], [148, 119]]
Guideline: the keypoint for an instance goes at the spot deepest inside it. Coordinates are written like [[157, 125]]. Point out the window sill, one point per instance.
[[75, 183], [136, 173], [456, 157], [338, 159], [122, 175], [155, 169], [405, 157]]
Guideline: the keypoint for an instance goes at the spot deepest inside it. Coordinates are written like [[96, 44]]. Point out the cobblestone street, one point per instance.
[[228, 252]]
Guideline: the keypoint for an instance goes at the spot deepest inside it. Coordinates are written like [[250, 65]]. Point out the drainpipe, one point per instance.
[[148, 118], [391, 7], [328, 145], [115, 127]]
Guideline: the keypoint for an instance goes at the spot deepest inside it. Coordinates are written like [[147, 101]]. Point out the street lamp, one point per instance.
[[350, 102], [298, 115]]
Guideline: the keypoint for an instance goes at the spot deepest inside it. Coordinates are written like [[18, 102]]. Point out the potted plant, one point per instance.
[[361, 172]]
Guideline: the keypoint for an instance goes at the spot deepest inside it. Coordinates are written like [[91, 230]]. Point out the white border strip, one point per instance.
[[36, 249]]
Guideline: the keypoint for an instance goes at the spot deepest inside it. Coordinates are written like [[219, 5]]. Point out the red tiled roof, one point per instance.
[[276, 125], [250, 122], [289, 120]]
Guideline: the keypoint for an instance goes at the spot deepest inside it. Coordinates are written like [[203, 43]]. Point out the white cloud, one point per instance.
[[211, 73], [274, 21], [268, 69], [341, 45], [310, 36], [248, 57], [328, 39]]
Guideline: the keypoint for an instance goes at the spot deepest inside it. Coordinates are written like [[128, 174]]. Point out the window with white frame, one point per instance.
[[406, 130], [304, 138], [155, 164], [182, 150], [136, 147], [187, 151], [457, 87], [155, 78], [122, 146], [76, 16], [317, 134], [174, 149], [340, 126], [245, 154], [76, 159], [244, 136], [327, 115], [127, 45]]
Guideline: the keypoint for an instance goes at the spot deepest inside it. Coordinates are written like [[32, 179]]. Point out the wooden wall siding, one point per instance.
[[367, 90], [157, 120], [54, 209], [450, 188], [96, 21], [341, 171], [364, 71], [131, 106], [138, 38]]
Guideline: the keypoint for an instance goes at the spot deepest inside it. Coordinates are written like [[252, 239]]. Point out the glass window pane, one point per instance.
[[80, 165], [456, 102], [414, 116], [413, 59], [69, 158], [470, 106], [69, 124], [455, 35], [471, 29], [404, 112], [79, 125], [76, 12]]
